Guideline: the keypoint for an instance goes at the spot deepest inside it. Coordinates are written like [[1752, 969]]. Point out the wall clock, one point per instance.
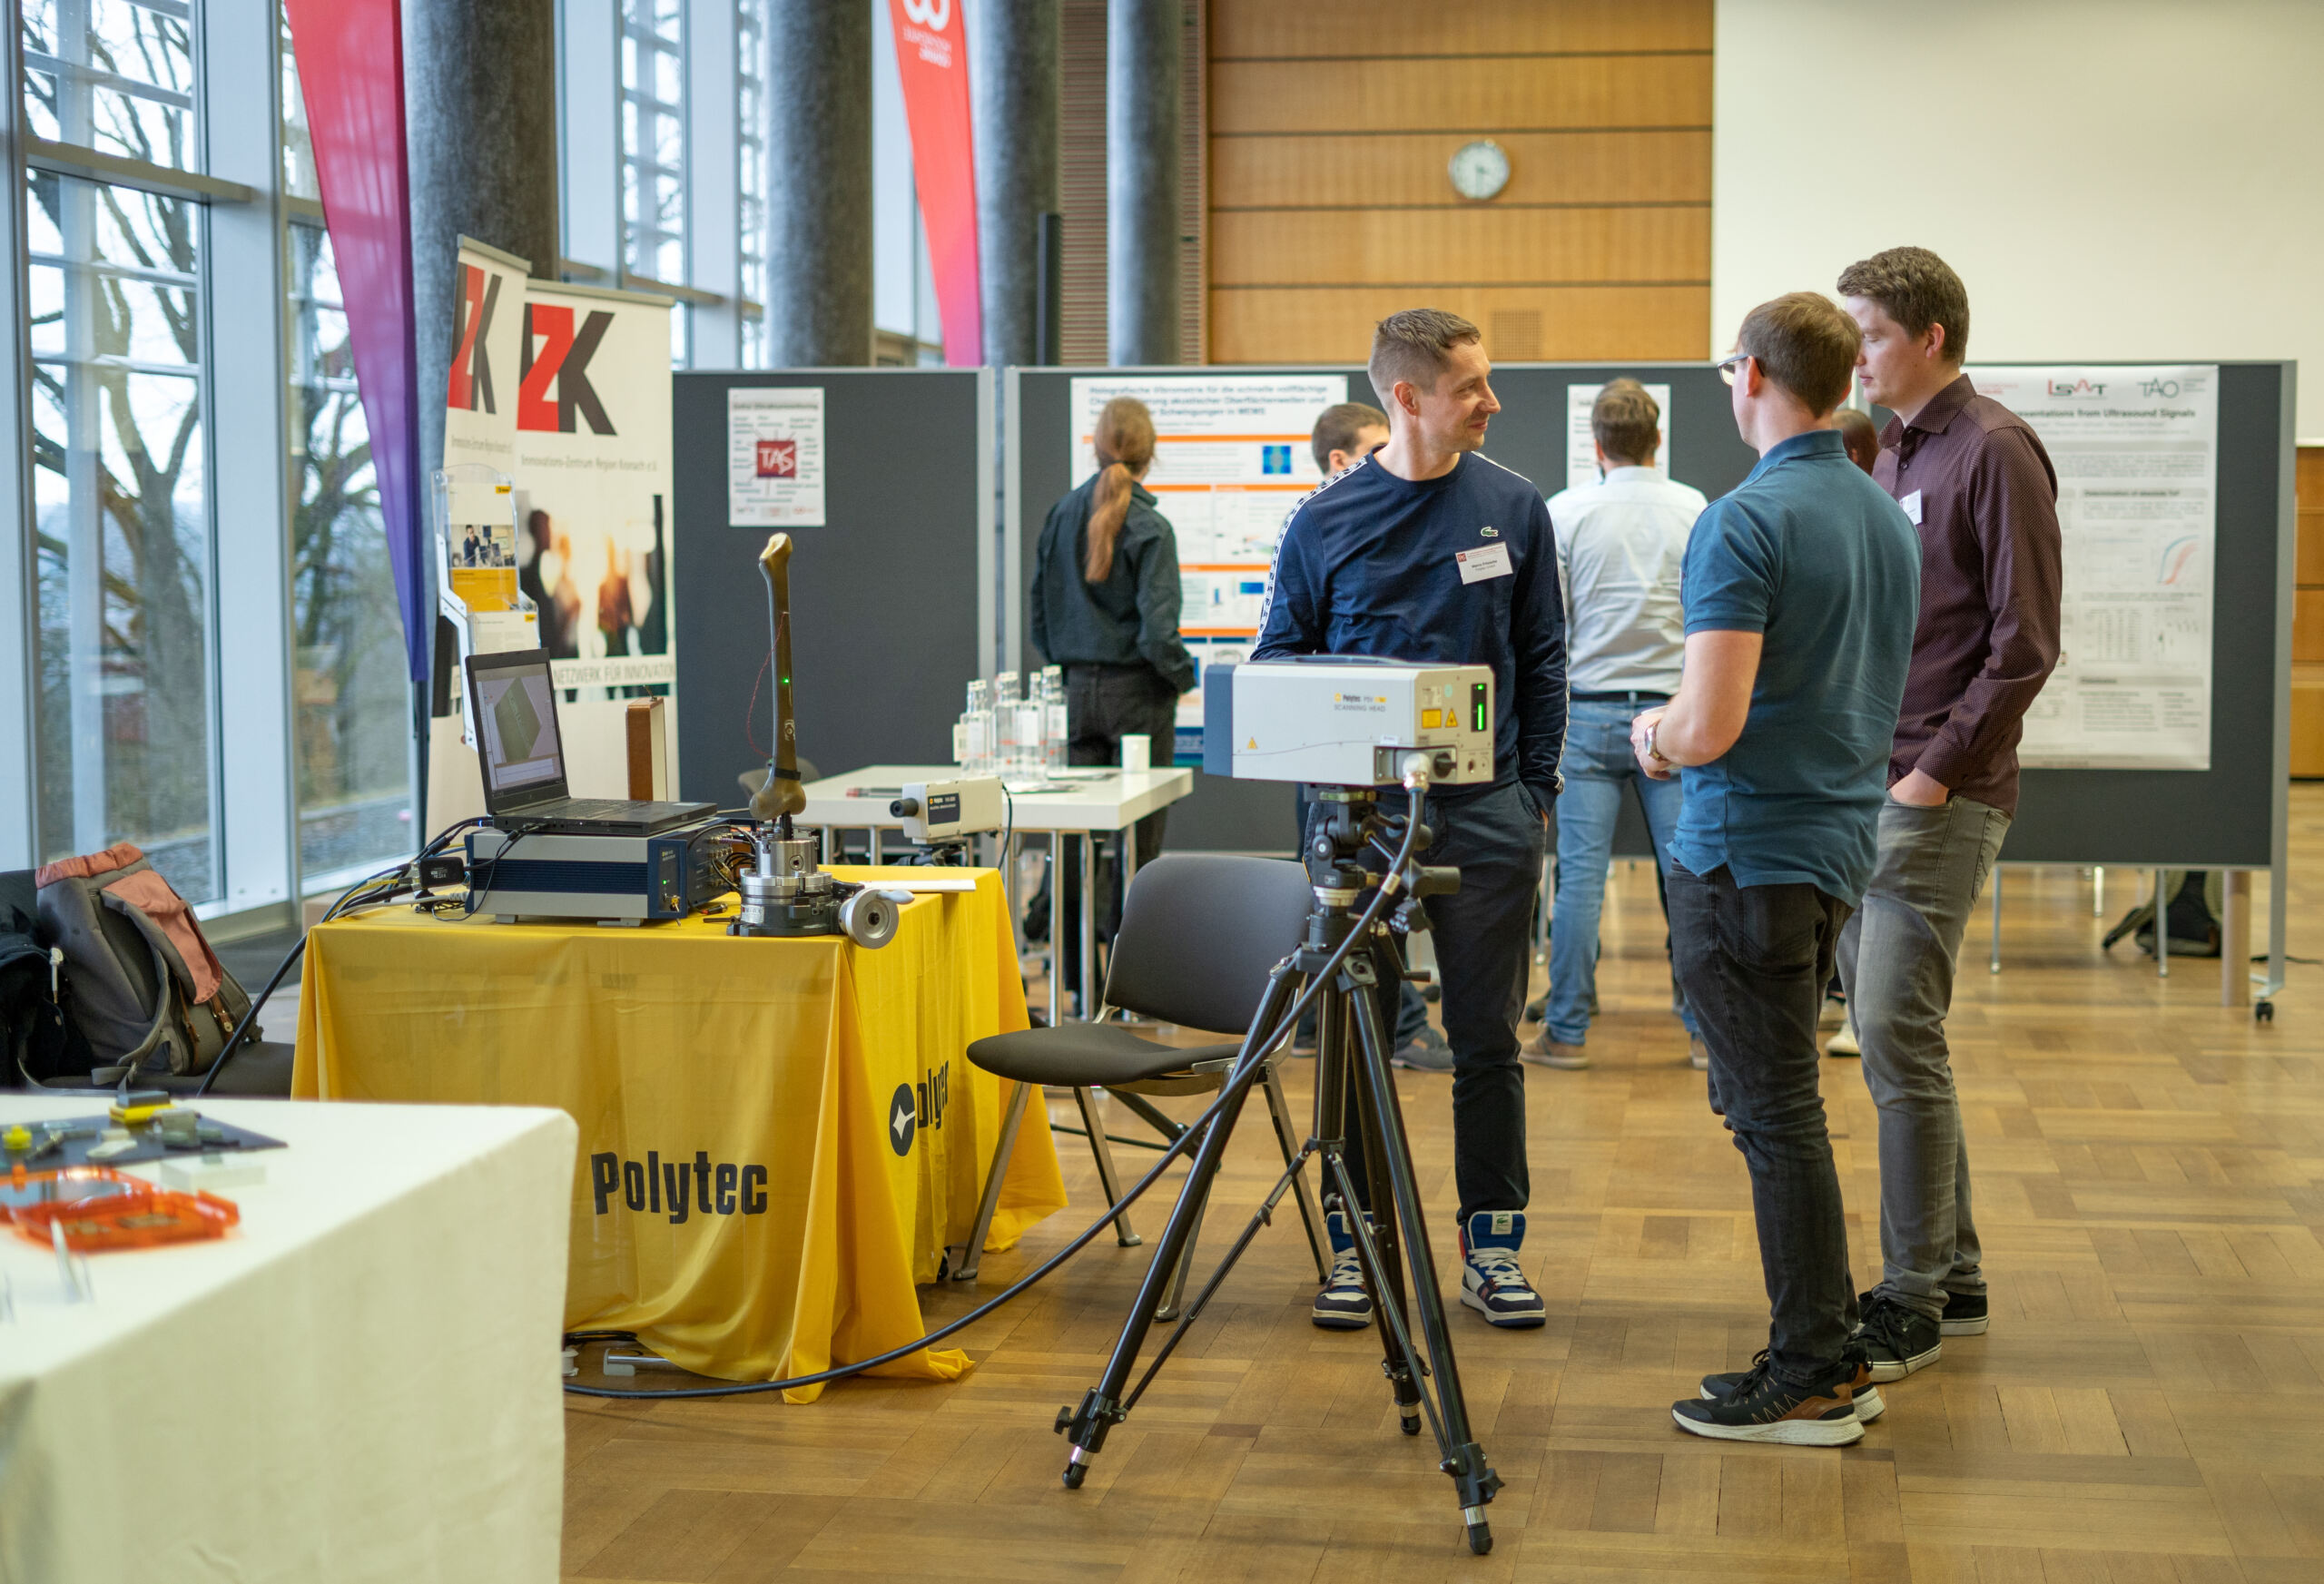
[[1479, 170]]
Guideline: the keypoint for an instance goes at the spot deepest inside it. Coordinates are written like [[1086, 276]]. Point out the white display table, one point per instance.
[[1109, 800], [359, 1381]]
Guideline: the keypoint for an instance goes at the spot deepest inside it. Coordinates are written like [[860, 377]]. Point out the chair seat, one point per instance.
[[1077, 1055]]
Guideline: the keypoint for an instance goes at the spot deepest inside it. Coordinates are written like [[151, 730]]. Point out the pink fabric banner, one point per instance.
[[351, 73], [932, 60]]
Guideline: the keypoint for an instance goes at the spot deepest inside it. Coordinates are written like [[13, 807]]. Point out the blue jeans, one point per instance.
[[1598, 763]]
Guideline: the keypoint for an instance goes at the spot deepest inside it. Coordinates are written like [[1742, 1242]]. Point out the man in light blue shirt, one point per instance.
[[1620, 544], [1802, 589]]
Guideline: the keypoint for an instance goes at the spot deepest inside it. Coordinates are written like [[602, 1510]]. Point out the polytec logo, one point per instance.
[[471, 327], [2079, 388], [562, 361], [918, 1105], [677, 1187]]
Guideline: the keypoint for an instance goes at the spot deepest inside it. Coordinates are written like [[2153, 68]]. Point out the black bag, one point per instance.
[[2189, 916], [38, 1039], [134, 994]]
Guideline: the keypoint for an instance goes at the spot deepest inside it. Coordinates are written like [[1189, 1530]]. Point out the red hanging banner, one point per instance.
[[932, 60]]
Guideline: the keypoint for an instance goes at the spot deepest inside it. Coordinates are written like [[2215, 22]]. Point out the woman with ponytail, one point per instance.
[[1105, 609]]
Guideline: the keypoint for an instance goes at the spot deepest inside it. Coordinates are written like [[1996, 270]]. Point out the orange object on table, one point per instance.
[[98, 1208]]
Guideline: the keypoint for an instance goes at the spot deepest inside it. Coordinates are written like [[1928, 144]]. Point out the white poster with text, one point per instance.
[[2136, 449], [1581, 440], [1232, 458], [774, 458]]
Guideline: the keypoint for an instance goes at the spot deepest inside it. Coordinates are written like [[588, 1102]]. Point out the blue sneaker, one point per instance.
[[1342, 1304], [1491, 1282]]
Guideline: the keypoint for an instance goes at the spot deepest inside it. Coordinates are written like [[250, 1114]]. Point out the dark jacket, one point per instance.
[[1133, 615]]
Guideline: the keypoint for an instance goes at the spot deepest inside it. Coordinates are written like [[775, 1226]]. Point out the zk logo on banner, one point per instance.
[[557, 356]]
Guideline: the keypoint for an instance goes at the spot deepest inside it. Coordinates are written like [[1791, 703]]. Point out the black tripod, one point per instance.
[[1356, 876]]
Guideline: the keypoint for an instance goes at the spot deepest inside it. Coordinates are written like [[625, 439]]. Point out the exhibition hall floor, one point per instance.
[[2148, 1406]]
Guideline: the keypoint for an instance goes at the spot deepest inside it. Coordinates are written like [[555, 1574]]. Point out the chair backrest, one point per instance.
[[1200, 932]]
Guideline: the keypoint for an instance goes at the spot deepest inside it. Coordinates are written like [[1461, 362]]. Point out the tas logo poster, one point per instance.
[[588, 386]]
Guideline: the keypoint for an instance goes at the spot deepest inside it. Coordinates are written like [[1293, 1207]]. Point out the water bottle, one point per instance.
[[1053, 703], [969, 733], [1003, 742]]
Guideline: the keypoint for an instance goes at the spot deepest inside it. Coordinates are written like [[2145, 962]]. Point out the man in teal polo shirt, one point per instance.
[[1801, 589]]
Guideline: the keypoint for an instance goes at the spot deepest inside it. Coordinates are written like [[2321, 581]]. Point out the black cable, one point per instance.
[[347, 899]]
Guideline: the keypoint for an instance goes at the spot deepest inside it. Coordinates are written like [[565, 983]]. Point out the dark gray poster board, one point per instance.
[[2227, 816], [888, 618]]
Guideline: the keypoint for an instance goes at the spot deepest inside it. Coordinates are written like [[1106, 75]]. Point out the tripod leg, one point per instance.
[[1100, 1408], [1174, 1304], [1388, 1281], [1473, 1477], [1279, 1110], [1109, 1181]]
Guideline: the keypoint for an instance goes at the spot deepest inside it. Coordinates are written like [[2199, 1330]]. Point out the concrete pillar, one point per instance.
[[1143, 40], [479, 85], [1016, 108], [818, 213]]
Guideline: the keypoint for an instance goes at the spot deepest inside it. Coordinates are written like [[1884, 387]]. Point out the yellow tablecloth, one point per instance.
[[778, 1138]]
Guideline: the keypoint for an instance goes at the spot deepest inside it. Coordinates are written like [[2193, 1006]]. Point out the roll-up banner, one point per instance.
[[486, 330], [932, 60], [592, 402]]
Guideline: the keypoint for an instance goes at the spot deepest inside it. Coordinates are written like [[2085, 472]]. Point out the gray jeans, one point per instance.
[[1897, 957]]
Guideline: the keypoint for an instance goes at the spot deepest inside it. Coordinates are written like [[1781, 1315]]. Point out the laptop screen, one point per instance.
[[516, 718]]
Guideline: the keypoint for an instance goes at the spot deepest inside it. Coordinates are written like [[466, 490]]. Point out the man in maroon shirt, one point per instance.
[[1979, 486]]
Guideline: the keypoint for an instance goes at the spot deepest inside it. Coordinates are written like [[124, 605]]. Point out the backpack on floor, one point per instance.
[[148, 993], [38, 1039], [2192, 917]]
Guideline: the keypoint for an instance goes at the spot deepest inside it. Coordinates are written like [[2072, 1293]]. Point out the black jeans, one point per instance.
[[1754, 960], [1483, 949], [1103, 704]]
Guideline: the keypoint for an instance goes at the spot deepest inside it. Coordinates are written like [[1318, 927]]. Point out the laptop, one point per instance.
[[523, 758]]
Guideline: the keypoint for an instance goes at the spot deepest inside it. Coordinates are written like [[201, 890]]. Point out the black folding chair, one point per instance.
[[1199, 934]]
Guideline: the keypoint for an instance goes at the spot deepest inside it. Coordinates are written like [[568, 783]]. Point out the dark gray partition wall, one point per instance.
[[891, 614], [1529, 434], [2230, 816]]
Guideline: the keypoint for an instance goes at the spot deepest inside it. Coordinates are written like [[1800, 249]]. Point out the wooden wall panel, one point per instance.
[[1389, 247], [1475, 95], [1401, 170], [1330, 205], [2308, 620], [1333, 324], [1402, 28]]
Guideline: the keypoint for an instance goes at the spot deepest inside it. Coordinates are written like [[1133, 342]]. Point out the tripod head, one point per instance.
[[1352, 847]]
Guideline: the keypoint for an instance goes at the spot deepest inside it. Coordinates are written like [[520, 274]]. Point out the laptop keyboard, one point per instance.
[[597, 809]]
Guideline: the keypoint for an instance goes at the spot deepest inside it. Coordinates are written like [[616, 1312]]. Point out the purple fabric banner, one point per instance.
[[351, 73]]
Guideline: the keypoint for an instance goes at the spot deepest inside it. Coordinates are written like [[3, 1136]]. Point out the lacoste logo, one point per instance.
[[1490, 532]]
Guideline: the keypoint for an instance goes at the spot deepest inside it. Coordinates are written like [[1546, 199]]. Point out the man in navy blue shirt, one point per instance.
[[1801, 588], [1427, 551]]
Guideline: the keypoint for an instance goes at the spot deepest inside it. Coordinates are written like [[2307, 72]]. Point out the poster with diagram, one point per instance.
[[2136, 449], [1231, 460], [1581, 438]]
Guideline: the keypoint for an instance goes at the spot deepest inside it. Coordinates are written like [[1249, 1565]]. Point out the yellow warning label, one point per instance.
[[1254, 743], [1432, 717]]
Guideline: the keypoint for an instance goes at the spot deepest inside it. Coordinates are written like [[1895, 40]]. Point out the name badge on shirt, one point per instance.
[[1476, 566], [1912, 505]]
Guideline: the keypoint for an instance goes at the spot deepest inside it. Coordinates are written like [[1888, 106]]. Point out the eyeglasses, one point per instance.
[[1731, 366]]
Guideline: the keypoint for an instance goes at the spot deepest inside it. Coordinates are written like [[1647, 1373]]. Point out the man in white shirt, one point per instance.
[[1620, 542]]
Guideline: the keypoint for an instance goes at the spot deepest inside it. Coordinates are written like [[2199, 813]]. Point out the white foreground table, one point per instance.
[[359, 1382], [1101, 799]]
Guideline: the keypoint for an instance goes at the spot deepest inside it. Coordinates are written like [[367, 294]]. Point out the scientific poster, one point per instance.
[[774, 458], [1231, 460], [1580, 441], [593, 484], [2136, 449]]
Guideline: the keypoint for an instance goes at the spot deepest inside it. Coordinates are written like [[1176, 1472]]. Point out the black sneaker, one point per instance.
[[1762, 1408], [1898, 1340], [1964, 1314], [1866, 1397]]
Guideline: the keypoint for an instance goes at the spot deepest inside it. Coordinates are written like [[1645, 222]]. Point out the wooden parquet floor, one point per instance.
[[2149, 1405]]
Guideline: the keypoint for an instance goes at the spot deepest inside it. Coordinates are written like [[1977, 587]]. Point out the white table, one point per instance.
[[359, 1382], [1106, 800]]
